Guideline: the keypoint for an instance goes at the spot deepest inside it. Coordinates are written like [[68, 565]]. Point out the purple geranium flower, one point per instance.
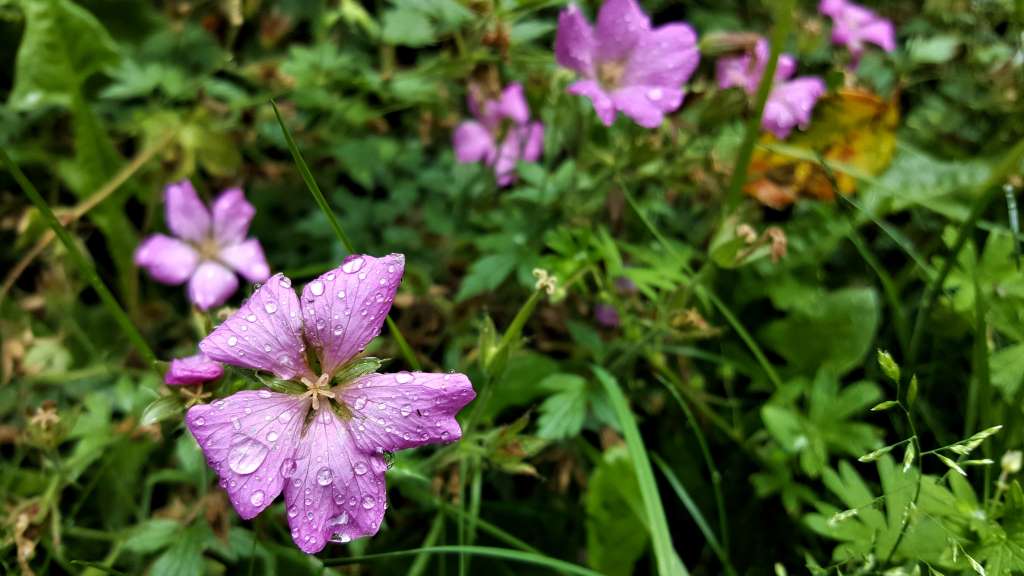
[[790, 102], [606, 315], [854, 26], [209, 249], [501, 135], [323, 447], [626, 65], [192, 370]]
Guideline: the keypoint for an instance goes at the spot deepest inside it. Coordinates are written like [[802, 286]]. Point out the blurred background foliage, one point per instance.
[[750, 368]]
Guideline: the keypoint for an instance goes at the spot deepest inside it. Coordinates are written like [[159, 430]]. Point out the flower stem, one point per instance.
[[83, 263], [783, 16], [321, 201]]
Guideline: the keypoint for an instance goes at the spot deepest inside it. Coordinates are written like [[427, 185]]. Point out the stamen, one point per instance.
[[317, 389]]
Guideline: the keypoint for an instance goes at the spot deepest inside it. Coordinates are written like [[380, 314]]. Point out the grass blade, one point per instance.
[[667, 560], [321, 201], [83, 264], [486, 551]]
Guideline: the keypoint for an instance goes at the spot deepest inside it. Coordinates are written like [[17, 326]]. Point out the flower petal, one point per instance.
[[407, 409], [574, 41], [666, 56], [791, 104], [598, 97], [192, 370], [746, 72], [345, 308], [232, 214], [473, 143], [337, 493], [186, 214], [168, 260], [513, 104], [533, 136], [247, 259], [620, 26], [264, 334], [249, 439], [647, 105], [211, 285], [508, 155], [881, 33], [832, 7]]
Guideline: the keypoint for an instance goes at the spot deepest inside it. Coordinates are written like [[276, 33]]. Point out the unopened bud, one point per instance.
[[1011, 461]]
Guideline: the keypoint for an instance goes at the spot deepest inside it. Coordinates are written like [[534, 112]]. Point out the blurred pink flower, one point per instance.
[[625, 64], [324, 447], [606, 315], [192, 370], [208, 249], [854, 26], [501, 134], [790, 102]]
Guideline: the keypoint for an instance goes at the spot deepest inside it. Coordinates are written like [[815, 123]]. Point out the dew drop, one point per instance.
[[655, 94], [246, 454], [339, 520], [232, 341], [341, 294], [293, 511], [317, 288], [289, 467], [406, 410], [256, 499], [444, 436], [369, 502], [344, 538], [353, 265], [270, 307], [251, 317], [309, 515], [403, 377], [330, 277], [236, 423], [360, 403], [200, 421], [359, 468], [264, 394], [285, 282], [324, 477], [267, 348], [284, 417], [271, 436]]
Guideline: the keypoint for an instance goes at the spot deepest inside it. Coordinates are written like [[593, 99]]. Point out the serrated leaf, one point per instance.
[[486, 274], [406, 27], [563, 413], [152, 535]]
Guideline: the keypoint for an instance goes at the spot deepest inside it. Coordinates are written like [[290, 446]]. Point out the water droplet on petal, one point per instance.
[[251, 317], [406, 410], [264, 394], [257, 498], [270, 307], [289, 467], [317, 288], [271, 436], [403, 377], [353, 265], [285, 282], [344, 538], [359, 468], [369, 502], [246, 454], [285, 417], [232, 341], [293, 511], [341, 294], [236, 423], [655, 94], [324, 477], [200, 421], [360, 403]]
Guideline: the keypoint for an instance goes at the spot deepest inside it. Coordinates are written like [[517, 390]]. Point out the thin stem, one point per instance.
[[905, 522], [783, 15], [321, 201], [421, 562], [83, 264]]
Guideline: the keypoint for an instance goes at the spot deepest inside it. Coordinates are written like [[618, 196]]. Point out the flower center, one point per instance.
[[208, 248], [610, 73], [317, 389]]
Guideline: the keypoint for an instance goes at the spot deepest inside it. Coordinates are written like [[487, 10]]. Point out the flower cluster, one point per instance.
[[854, 26], [209, 245], [791, 100], [501, 134]]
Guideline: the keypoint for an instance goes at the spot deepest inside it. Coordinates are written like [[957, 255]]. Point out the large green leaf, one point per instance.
[[63, 45], [616, 530], [562, 414], [830, 330]]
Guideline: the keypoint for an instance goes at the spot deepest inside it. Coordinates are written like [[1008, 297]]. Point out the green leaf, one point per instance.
[[152, 535], [617, 532], [486, 274], [185, 556], [562, 414], [553, 564], [884, 405], [406, 27], [934, 50], [161, 409], [63, 45], [666, 559], [832, 331]]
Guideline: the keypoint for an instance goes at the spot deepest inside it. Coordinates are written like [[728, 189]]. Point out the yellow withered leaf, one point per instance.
[[852, 127]]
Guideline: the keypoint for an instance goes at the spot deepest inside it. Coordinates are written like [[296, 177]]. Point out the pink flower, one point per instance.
[[192, 370], [323, 445], [790, 102], [606, 315], [501, 135], [208, 249], [627, 65], [854, 26]]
